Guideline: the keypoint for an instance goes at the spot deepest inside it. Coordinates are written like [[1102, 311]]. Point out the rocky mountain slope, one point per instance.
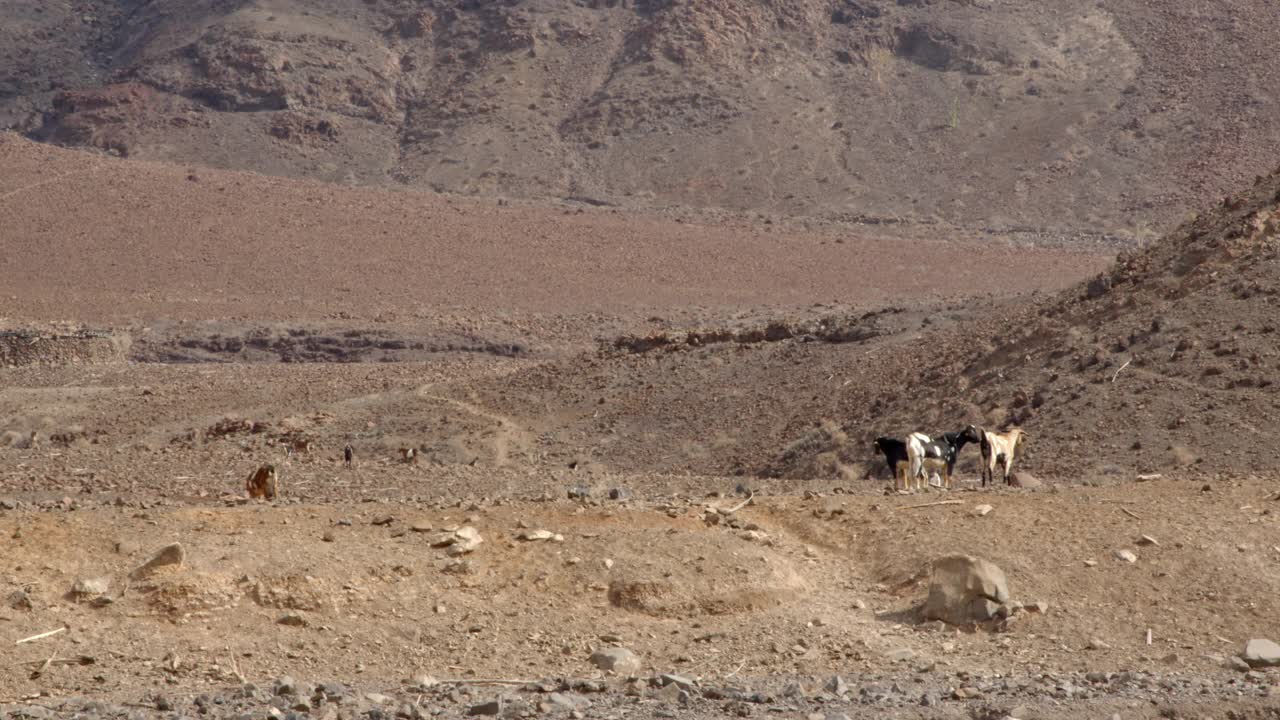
[[980, 113], [1164, 364]]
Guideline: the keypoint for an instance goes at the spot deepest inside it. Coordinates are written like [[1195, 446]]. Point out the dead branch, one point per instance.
[[490, 681], [739, 506], [1117, 373], [235, 670], [934, 504], [41, 636], [1130, 513]]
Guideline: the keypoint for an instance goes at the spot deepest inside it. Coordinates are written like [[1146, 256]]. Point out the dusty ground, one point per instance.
[[687, 366]]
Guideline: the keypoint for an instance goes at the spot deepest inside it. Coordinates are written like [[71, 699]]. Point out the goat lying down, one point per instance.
[[998, 449]]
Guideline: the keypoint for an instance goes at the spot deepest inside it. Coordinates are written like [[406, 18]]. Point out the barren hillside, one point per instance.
[[1068, 116], [1164, 364]]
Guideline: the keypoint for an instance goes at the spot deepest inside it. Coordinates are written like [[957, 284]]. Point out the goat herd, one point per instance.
[[918, 456]]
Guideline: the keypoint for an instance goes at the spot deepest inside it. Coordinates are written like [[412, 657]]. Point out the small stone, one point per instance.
[[966, 692], [425, 682], [124, 547], [493, 707], [285, 686], [19, 600], [1126, 556], [619, 494], [421, 527], [8, 503], [535, 535], [91, 587], [1096, 644], [328, 536], [982, 510], [170, 555], [579, 492], [1040, 606], [837, 686], [859, 604], [900, 655], [377, 698], [292, 619], [680, 681], [1238, 663], [1147, 540], [384, 520], [608, 564], [1260, 652], [618, 660], [1090, 563]]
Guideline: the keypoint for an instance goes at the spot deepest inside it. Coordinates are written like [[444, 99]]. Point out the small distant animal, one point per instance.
[[999, 449], [895, 456], [409, 454], [263, 483], [926, 456], [348, 455]]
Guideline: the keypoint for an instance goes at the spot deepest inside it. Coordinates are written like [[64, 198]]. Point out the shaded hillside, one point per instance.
[[1167, 363], [986, 115]]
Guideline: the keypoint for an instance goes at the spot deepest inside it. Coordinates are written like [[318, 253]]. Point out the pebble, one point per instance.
[[900, 654], [982, 510], [1126, 556], [166, 556], [837, 686], [619, 660], [619, 494], [493, 707], [1147, 540]]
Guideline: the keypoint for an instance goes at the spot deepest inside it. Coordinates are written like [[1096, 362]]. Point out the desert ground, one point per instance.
[[608, 301], [688, 421]]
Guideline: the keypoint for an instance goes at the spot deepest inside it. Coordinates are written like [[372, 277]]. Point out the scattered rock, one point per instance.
[[328, 536], [619, 494], [1261, 653], [19, 600], [1025, 480], [579, 492], [1090, 563], [1126, 556], [90, 587], [1237, 663], [837, 686], [377, 698], [460, 541], [285, 686], [618, 660], [1096, 644], [293, 619], [124, 547], [8, 503], [900, 655], [384, 520], [1147, 540], [536, 535], [421, 527], [966, 692], [679, 681], [1039, 606], [493, 707], [170, 555], [982, 510], [963, 584]]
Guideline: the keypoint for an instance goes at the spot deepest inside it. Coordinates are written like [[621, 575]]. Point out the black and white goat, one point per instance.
[[926, 456]]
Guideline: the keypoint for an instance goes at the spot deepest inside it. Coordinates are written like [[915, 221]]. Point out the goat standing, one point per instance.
[[999, 448]]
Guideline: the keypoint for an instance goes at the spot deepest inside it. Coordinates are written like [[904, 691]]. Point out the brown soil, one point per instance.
[[540, 357]]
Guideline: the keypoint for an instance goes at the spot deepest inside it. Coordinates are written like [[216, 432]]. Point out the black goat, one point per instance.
[[926, 455], [895, 456]]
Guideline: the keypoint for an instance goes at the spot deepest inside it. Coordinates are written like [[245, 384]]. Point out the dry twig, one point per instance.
[[41, 636], [934, 504], [1117, 373], [1130, 513]]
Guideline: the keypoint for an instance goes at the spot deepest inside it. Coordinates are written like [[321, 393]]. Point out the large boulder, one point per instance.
[[1261, 653], [965, 589]]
